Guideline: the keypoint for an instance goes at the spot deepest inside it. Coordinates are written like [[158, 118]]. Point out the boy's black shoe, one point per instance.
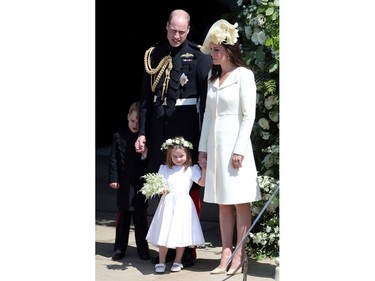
[[155, 260], [188, 258], [118, 255], [187, 262], [144, 257]]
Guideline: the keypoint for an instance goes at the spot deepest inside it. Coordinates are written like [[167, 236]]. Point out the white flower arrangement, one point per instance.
[[274, 116], [176, 142], [269, 102], [265, 239], [155, 184], [265, 135], [259, 38], [183, 79], [263, 122], [259, 25]]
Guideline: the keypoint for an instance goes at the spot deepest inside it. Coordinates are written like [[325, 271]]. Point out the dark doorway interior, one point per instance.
[[121, 43]]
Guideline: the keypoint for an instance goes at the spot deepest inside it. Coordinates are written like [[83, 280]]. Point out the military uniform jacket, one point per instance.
[[160, 117], [126, 168]]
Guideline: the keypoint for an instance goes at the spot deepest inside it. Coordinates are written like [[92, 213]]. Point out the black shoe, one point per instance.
[[118, 255], [155, 260], [187, 257], [170, 255], [144, 257], [187, 262]]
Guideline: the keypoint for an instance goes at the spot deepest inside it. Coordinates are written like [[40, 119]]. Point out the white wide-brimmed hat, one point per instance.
[[221, 32]]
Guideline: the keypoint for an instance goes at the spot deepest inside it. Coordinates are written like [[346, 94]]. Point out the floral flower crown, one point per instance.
[[221, 32], [177, 141]]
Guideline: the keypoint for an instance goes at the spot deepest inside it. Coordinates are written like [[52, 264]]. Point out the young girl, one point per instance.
[[175, 223]]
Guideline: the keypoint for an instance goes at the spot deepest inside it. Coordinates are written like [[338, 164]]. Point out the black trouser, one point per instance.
[[140, 230]]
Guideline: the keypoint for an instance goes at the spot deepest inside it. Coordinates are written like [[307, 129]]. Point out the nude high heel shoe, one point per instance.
[[218, 270], [234, 271], [237, 270]]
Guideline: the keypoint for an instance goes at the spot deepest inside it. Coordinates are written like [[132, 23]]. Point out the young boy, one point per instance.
[[126, 167]]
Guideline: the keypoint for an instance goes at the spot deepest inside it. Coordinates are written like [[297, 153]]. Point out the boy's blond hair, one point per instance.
[[134, 107]]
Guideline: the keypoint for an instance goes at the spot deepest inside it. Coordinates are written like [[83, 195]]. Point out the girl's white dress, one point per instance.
[[176, 222]]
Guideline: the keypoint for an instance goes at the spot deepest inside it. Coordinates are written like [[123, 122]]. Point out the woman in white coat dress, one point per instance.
[[225, 147]]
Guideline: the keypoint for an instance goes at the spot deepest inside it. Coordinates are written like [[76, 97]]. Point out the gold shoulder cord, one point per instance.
[[165, 65]]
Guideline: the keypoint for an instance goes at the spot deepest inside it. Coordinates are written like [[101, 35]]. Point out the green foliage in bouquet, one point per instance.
[[155, 184]]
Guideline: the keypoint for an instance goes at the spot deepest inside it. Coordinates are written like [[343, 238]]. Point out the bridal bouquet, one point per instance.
[[155, 184]]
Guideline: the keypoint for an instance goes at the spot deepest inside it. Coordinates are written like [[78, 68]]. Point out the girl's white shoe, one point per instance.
[[176, 267], [160, 268]]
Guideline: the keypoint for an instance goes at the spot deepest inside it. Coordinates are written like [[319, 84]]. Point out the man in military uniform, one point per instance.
[[173, 97]]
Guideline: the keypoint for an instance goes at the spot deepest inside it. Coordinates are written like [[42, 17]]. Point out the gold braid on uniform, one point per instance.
[[165, 65]]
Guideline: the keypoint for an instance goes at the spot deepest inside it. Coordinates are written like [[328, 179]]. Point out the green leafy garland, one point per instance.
[[259, 28]]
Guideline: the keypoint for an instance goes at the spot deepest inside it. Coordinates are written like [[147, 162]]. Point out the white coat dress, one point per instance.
[[227, 125]]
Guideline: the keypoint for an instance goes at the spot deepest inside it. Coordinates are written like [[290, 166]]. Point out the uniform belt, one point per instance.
[[190, 101], [181, 102]]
